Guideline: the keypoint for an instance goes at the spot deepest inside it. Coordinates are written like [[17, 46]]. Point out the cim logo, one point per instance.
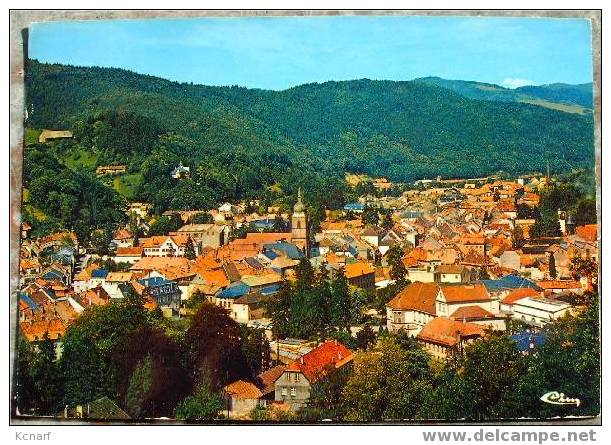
[[558, 398]]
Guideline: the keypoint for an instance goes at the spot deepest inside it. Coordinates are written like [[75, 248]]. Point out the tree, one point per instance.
[[165, 224], [517, 237], [100, 241], [340, 305], [151, 378], [549, 227], [139, 385], [201, 218], [586, 212], [39, 384], [256, 350], [387, 221], [370, 216], [203, 405], [491, 368], [398, 271], [365, 338], [196, 298], [553, 273], [213, 346], [387, 383], [87, 363], [190, 249], [325, 400], [279, 308]]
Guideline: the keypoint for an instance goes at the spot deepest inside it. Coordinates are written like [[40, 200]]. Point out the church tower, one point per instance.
[[299, 226]]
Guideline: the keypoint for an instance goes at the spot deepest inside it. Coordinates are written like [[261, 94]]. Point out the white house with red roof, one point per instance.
[[412, 308], [452, 297], [295, 384]]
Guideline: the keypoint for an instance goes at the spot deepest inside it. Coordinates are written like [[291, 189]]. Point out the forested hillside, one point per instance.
[[580, 96], [240, 142]]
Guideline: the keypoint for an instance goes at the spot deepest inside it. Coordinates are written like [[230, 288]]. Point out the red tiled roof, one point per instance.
[[358, 269], [588, 232], [470, 313], [268, 378], [518, 294], [313, 364], [442, 330], [417, 296], [465, 292], [243, 390], [557, 284], [129, 251]]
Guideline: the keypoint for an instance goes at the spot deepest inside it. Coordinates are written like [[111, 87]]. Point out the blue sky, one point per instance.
[[277, 53]]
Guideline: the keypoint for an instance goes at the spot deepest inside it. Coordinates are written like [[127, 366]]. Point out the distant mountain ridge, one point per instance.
[[243, 139], [563, 97]]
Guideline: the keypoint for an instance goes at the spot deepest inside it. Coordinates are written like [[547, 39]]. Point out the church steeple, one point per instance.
[[299, 225], [299, 207]]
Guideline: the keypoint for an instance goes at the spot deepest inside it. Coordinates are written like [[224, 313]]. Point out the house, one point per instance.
[[412, 308], [111, 169], [29, 269], [98, 277], [515, 295], [354, 207], [46, 135], [122, 238], [442, 336], [165, 292], [361, 274], [476, 314], [559, 286], [181, 172], [114, 282], [372, 235], [510, 259], [249, 307], [588, 232], [423, 273], [129, 255], [140, 209], [539, 311], [452, 273], [266, 383], [166, 245], [241, 397], [295, 384], [453, 296], [205, 234]]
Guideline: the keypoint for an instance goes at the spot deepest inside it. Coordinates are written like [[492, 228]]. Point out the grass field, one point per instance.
[[126, 184], [577, 109], [81, 159], [31, 136]]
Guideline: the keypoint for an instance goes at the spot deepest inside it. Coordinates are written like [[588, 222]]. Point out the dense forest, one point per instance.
[[248, 143]]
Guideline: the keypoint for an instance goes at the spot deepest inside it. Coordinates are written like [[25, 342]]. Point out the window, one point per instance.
[[296, 376], [283, 391], [293, 392]]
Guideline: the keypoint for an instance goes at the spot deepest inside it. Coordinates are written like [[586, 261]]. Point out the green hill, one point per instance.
[[238, 142], [559, 96]]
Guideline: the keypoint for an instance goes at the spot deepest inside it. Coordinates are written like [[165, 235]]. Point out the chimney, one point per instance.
[[301, 359]]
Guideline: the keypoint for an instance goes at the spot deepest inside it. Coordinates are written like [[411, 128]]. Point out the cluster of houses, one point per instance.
[[467, 274]]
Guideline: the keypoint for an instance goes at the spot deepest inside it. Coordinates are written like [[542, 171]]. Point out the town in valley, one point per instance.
[[307, 219]]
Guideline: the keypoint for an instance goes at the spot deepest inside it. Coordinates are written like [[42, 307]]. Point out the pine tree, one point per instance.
[[190, 250]]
